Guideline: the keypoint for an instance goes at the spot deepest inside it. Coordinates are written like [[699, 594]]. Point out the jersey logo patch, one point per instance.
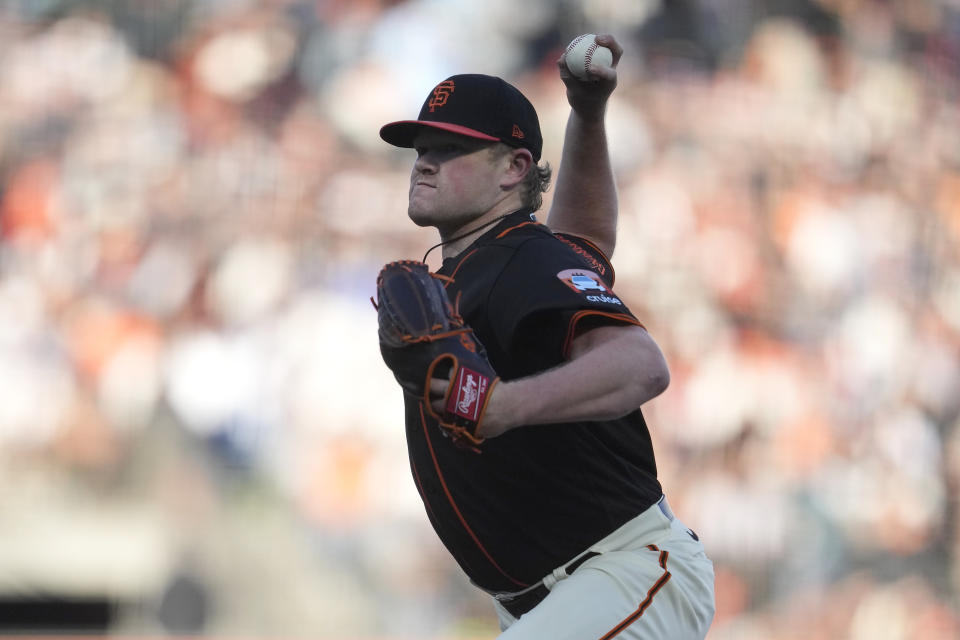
[[589, 284]]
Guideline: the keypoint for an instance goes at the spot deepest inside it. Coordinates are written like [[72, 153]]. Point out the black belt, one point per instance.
[[523, 602]]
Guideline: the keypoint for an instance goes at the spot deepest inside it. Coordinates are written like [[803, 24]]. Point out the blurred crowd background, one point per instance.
[[197, 434]]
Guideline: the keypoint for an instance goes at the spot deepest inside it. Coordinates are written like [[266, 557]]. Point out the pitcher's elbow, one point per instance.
[[656, 378], [659, 381]]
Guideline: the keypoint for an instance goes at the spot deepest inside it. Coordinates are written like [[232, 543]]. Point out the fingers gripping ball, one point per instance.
[[422, 337], [583, 53]]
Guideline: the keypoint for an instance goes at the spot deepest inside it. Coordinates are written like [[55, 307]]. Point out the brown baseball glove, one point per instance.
[[422, 337]]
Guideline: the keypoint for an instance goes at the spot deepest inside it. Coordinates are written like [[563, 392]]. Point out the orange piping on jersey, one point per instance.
[[636, 615], [598, 249], [600, 266], [423, 494], [457, 268], [446, 491], [580, 315], [516, 226], [500, 235]]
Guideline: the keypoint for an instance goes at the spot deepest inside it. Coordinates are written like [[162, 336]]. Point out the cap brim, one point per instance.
[[402, 133]]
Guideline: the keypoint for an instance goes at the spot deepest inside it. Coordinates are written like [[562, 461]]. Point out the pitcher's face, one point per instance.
[[455, 179]]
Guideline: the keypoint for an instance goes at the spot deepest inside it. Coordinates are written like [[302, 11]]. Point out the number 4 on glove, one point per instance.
[[423, 337]]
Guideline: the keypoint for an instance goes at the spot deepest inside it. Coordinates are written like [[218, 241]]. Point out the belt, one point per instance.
[[527, 599]]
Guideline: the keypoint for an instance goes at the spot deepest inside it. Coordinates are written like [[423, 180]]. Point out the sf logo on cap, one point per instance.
[[440, 94]]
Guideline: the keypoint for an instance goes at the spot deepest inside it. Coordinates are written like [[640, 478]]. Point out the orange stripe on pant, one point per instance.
[[636, 615]]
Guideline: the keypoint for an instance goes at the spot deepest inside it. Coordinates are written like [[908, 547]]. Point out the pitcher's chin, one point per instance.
[[423, 218]]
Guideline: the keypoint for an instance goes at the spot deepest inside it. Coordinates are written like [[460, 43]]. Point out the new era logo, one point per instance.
[[517, 133]]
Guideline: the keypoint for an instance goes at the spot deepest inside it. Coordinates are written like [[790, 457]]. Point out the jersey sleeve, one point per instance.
[[597, 260], [550, 292]]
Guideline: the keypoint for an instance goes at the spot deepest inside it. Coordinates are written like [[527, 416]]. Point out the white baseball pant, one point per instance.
[[651, 580]]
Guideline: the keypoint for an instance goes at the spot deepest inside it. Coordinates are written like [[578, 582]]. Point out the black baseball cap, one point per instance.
[[474, 105]]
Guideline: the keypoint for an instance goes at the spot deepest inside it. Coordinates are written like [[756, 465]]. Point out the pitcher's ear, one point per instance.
[[521, 162]]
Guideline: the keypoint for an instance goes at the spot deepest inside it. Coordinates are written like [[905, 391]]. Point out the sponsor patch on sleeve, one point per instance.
[[589, 285]]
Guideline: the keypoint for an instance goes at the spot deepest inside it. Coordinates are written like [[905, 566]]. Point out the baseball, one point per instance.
[[583, 53]]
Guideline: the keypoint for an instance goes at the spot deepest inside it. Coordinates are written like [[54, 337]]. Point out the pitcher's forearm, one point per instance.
[[606, 381], [585, 198]]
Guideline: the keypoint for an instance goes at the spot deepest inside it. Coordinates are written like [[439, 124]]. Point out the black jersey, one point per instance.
[[537, 495]]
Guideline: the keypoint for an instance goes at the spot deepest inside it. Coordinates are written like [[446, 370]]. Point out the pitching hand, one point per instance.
[[588, 98]]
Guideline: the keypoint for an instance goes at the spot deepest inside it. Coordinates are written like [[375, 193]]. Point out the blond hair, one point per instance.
[[534, 184]]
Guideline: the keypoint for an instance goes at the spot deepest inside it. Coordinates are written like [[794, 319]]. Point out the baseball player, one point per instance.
[[539, 476]]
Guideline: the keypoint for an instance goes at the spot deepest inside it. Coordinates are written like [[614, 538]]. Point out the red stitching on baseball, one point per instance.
[[575, 42], [589, 57], [589, 54]]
